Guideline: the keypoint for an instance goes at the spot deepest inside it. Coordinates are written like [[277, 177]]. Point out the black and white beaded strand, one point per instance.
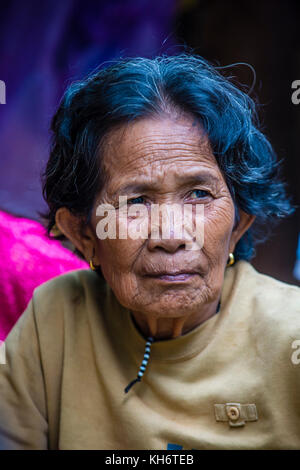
[[146, 359], [143, 365]]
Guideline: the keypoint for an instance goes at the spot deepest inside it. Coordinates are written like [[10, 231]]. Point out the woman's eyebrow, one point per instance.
[[200, 178], [196, 178], [135, 188]]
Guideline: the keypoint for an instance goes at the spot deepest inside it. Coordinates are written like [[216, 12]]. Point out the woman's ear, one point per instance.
[[71, 226], [244, 223]]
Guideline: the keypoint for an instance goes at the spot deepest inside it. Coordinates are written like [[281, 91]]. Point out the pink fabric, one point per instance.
[[27, 259]]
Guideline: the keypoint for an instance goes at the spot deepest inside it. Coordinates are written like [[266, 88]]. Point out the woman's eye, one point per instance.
[[199, 193], [137, 200]]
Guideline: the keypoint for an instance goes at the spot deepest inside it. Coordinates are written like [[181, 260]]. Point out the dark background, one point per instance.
[[44, 45]]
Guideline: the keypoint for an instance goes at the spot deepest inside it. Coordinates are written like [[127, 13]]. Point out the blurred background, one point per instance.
[[46, 45]]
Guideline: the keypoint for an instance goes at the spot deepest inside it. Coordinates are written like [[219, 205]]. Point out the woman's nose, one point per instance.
[[170, 245], [169, 234]]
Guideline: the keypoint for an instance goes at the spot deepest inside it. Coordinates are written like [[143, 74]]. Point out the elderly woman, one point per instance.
[[159, 345]]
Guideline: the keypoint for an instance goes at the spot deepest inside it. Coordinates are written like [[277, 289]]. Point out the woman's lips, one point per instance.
[[176, 277]]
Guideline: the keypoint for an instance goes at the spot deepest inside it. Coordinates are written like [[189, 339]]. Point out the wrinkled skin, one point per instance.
[[161, 153]]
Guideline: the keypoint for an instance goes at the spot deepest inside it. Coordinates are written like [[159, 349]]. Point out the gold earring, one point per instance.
[[92, 266], [230, 260]]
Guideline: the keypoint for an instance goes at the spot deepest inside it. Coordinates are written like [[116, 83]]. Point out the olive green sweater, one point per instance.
[[231, 383]]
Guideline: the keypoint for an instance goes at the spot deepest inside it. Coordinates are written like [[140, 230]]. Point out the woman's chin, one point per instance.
[[168, 309], [164, 301]]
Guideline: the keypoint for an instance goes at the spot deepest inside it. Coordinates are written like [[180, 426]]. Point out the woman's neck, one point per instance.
[[167, 328]]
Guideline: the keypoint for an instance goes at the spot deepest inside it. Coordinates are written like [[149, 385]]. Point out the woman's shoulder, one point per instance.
[[273, 304], [67, 280], [66, 290], [267, 288]]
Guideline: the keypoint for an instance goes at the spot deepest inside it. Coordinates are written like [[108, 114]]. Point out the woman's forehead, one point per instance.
[[155, 144]]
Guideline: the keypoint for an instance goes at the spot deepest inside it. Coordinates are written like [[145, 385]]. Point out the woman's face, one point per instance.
[[166, 161]]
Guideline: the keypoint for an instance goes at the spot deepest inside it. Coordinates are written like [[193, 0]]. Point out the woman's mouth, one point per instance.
[[173, 277]]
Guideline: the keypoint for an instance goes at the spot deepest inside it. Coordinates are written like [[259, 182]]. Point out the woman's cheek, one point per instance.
[[218, 225], [118, 256]]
